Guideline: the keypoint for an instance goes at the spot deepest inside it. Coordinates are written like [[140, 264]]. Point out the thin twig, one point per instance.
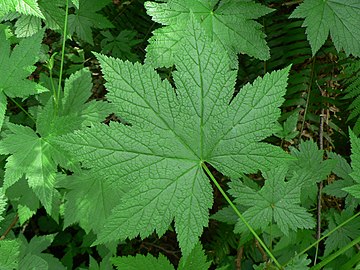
[[320, 187], [239, 256], [262, 251], [10, 227]]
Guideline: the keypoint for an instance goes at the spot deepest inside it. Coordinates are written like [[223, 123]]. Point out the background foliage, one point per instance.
[[197, 134]]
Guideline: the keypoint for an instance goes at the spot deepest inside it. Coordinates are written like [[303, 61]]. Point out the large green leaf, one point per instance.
[[156, 162], [340, 18]]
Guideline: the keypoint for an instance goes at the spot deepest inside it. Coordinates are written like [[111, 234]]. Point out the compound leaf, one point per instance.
[[157, 161], [232, 23], [339, 17]]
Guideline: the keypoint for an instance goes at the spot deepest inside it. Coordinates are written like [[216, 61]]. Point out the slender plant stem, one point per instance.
[[21, 108], [262, 244], [327, 235], [13, 223], [320, 187], [333, 256], [62, 54]]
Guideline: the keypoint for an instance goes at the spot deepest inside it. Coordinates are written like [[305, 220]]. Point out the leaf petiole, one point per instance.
[[240, 215]]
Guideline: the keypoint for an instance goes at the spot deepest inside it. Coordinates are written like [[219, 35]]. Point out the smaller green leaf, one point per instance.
[[288, 131], [277, 201], [310, 165], [87, 17]]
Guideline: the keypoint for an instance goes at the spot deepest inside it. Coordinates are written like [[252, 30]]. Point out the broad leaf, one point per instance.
[[15, 67], [86, 17], [277, 201], [340, 18], [156, 162], [232, 23]]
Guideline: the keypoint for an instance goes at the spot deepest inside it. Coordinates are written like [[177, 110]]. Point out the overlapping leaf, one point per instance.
[[340, 18], [156, 162], [231, 23]]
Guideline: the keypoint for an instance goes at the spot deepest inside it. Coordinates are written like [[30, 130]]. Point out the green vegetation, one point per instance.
[[179, 134]]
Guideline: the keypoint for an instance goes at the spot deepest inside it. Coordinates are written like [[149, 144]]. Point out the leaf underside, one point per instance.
[[155, 163]]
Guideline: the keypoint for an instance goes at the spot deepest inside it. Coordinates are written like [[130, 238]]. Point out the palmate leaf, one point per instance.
[[276, 201], [15, 67], [232, 23], [86, 17], [156, 163], [340, 18]]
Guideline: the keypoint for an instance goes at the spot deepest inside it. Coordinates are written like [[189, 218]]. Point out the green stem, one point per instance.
[[327, 235], [336, 254], [241, 216], [21, 108], [62, 53]]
